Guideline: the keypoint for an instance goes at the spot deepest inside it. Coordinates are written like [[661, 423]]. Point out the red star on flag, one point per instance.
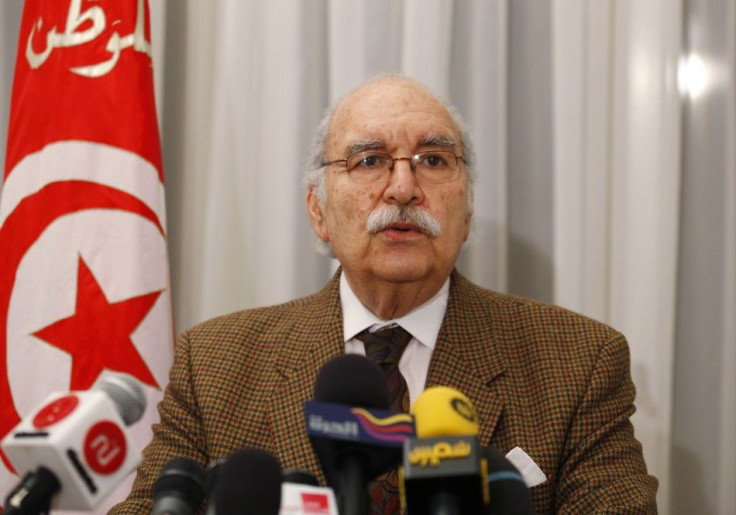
[[98, 335]]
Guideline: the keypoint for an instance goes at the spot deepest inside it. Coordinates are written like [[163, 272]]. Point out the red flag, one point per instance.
[[84, 280]]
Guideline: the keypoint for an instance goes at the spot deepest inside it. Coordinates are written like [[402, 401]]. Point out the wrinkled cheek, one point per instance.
[[348, 219], [346, 229]]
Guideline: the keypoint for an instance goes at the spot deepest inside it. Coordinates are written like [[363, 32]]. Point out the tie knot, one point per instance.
[[385, 345]]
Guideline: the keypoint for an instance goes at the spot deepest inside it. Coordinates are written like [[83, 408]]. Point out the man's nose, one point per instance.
[[403, 187]]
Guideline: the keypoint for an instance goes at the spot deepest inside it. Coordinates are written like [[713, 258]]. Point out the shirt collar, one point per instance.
[[423, 322]]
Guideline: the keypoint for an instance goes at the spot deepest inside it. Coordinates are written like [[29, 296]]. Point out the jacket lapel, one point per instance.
[[314, 339], [466, 356]]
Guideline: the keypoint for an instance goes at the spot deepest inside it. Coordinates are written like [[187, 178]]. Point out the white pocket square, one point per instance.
[[530, 471]]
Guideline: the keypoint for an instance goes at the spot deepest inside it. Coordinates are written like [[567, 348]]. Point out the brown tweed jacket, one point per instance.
[[552, 382]]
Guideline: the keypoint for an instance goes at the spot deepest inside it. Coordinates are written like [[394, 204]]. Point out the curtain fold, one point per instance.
[[704, 416]]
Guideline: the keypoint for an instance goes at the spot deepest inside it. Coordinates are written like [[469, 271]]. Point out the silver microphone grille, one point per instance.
[[127, 395]]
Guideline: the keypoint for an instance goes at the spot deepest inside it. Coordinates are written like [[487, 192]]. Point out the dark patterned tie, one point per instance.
[[385, 347]]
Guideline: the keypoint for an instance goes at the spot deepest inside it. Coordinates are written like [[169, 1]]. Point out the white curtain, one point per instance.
[[616, 183], [602, 187], [252, 80]]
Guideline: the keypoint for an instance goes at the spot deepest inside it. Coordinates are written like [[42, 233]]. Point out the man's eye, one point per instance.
[[434, 160], [369, 161]]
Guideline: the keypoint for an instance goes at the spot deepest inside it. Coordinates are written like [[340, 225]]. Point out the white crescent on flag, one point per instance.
[[84, 277]]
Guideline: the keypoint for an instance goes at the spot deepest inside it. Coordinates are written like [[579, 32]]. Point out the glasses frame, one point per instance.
[[413, 159]]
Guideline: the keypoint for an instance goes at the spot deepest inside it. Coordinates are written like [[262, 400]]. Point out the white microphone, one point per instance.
[[301, 495], [79, 439]]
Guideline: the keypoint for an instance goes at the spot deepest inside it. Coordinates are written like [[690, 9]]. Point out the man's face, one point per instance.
[[397, 118]]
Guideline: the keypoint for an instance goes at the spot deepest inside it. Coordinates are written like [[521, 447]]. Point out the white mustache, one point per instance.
[[386, 216]]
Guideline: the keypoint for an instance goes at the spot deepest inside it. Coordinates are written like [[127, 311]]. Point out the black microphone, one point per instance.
[[249, 481], [508, 491], [352, 432], [179, 488], [299, 477]]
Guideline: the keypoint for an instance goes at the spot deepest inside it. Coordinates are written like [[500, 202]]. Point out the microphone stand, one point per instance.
[[443, 503], [352, 498]]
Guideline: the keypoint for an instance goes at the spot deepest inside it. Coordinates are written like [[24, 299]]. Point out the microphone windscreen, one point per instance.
[[509, 493], [127, 395], [444, 411], [299, 476], [249, 482], [180, 485], [352, 379]]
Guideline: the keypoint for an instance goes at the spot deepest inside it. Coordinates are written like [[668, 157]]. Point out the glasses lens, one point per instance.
[[436, 166], [367, 167]]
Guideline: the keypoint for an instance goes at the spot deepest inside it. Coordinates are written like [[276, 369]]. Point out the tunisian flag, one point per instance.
[[84, 279]]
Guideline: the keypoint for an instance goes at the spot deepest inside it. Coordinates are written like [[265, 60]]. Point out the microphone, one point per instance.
[[509, 493], [249, 481], [444, 472], [74, 448], [302, 495], [352, 432], [212, 478], [299, 477], [179, 488]]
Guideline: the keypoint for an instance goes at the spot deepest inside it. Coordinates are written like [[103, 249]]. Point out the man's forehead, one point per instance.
[[389, 94], [376, 113]]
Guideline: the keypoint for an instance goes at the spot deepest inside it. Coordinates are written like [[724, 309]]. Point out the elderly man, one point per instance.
[[391, 196]]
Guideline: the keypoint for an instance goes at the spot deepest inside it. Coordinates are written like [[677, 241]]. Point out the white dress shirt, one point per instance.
[[423, 323]]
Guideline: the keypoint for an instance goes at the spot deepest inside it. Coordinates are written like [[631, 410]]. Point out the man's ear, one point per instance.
[[468, 224], [315, 211]]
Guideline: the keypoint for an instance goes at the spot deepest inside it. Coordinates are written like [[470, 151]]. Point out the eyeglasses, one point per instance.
[[432, 166]]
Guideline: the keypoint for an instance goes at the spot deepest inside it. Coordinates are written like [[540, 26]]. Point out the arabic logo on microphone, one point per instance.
[[105, 447]]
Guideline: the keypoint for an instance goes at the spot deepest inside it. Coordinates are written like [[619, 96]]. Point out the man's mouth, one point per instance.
[[402, 227]]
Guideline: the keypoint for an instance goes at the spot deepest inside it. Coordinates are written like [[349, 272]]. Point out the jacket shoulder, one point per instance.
[[265, 323], [515, 314]]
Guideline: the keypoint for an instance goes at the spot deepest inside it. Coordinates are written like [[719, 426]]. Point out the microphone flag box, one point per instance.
[[453, 464], [82, 439], [298, 499]]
